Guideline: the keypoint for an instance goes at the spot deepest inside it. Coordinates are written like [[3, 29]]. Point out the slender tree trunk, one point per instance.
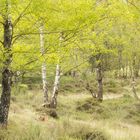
[[135, 66], [123, 70], [126, 69], [44, 80], [119, 61], [53, 103], [6, 72], [22, 77], [131, 71], [134, 88], [45, 85], [73, 73], [134, 76], [88, 88], [99, 79]]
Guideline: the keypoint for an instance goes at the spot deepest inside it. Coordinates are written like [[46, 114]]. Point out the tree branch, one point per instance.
[[21, 14], [16, 37], [134, 5], [1, 42], [1, 23]]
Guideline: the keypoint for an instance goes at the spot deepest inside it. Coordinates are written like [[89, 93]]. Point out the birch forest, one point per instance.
[[69, 69]]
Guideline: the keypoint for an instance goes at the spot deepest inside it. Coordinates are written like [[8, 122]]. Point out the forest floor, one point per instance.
[[80, 117]]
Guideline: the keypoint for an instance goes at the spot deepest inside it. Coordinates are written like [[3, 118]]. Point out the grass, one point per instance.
[[79, 116], [109, 123], [125, 108]]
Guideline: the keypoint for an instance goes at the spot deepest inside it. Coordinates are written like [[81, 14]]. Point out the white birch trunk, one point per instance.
[[53, 103], [55, 88], [45, 86]]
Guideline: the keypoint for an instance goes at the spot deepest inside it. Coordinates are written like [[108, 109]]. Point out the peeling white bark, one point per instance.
[[53, 103], [45, 86], [55, 89]]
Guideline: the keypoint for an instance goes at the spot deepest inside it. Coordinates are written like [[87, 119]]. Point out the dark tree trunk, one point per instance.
[[6, 73], [99, 78], [5, 97]]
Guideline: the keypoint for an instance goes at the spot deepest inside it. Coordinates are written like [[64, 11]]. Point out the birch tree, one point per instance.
[[53, 103], [44, 80]]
